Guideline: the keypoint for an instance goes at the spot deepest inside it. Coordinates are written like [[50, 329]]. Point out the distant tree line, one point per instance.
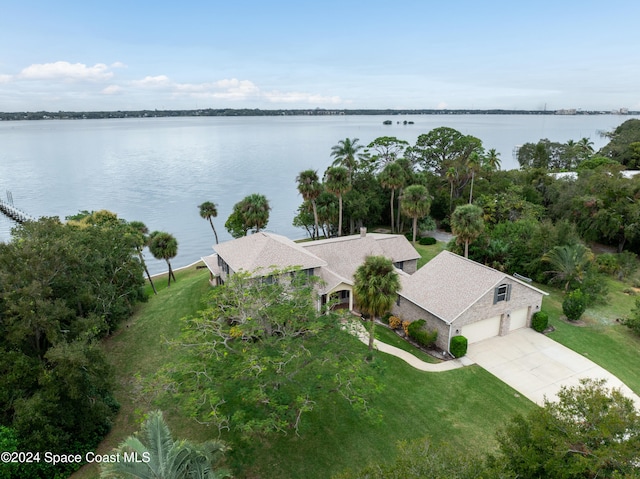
[[91, 115]]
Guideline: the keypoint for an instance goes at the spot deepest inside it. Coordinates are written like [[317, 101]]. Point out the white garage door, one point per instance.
[[487, 328], [518, 319]]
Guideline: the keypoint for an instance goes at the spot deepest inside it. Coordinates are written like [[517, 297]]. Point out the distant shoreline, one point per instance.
[[207, 112]]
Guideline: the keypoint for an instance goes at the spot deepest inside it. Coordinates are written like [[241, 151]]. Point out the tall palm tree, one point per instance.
[[415, 202], [467, 224], [255, 210], [159, 456], [209, 210], [336, 180], [392, 177], [309, 187], [473, 165], [375, 288], [569, 262], [140, 238], [164, 246], [345, 153], [451, 175]]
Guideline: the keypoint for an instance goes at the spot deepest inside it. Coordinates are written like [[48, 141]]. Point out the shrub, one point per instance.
[[427, 241], [633, 322], [540, 321], [385, 318], [405, 326], [607, 263], [574, 305], [458, 346], [395, 322], [417, 332]]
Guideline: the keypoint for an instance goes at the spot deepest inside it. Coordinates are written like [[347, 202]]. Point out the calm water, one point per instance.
[[158, 170]]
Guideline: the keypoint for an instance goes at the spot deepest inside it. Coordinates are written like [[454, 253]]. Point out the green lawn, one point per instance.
[[429, 252]]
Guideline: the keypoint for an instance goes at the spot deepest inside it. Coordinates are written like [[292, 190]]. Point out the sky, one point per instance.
[[400, 54]]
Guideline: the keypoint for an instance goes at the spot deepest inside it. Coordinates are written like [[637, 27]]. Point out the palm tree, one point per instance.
[[392, 177], [255, 210], [491, 161], [310, 188], [345, 153], [375, 288], [569, 263], [473, 164], [415, 202], [451, 175], [336, 180], [156, 455], [209, 210], [140, 238], [164, 246], [467, 224]]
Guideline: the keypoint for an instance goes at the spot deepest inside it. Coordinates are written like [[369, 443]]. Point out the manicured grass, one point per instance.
[[429, 252], [387, 336], [139, 348]]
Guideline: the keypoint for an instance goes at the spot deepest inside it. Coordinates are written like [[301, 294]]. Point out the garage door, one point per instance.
[[487, 328], [518, 319]]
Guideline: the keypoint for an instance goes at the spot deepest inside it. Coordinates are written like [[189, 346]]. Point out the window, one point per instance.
[[502, 293], [399, 265]]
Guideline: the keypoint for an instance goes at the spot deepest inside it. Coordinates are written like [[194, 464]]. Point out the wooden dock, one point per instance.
[[14, 213]]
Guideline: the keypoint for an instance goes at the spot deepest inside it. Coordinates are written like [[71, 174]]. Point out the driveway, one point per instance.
[[537, 366]]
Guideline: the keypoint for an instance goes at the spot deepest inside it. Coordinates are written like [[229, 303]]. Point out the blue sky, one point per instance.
[[116, 55]]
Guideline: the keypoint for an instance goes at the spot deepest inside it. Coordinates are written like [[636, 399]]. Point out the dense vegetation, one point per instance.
[[63, 287]]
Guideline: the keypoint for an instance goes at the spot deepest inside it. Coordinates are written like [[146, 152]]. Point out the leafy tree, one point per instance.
[[327, 212], [260, 356], [569, 263], [364, 203], [209, 210], [386, 149], [236, 224], [304, 218], [336, 180], [590, 432], [375, 288], [346, 153], [415, 202], [164, 246], [309, 187], [624, 144], [160, 456], [392, 177], [467, 224]]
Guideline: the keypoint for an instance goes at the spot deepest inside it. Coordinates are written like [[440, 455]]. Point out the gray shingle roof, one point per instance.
[[449, 284], [264, 251]]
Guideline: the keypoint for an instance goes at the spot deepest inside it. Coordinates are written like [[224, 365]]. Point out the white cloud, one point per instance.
[[152, 81], [5, 78], [300, 97], [111, 90], [66, 71], [118, 65], [442, 105]]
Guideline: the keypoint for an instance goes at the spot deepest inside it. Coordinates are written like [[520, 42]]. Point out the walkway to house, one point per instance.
[[358, 329]]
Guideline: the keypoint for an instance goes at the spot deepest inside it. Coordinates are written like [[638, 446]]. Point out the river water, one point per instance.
[[158, 170]]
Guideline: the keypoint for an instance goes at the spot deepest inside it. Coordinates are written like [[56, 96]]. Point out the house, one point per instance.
[[457, 296], [454, 295], [333, 260]]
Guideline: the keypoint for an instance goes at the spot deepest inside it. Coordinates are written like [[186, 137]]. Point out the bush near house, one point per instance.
[[458, 346], [540, 321], [395, 322], [574, 305], [420, 335], [427, 241]]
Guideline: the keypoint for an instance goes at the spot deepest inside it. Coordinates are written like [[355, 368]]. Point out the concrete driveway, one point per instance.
[[537, 366]]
